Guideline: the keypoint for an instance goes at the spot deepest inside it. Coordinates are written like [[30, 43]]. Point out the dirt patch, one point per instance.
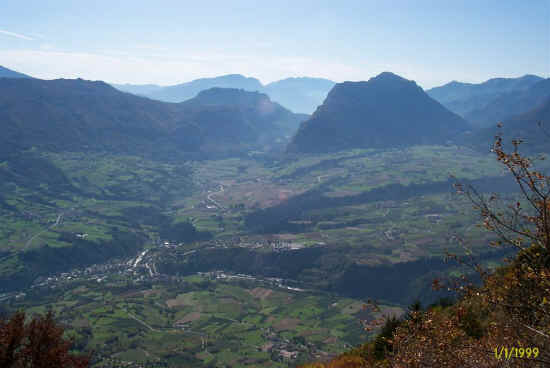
[[178, 302], [131, 294], [150, 292], [392, 311], [315, 236], [81, 323], [193, 316], [286, 324], [331, 340], [286, 236], [307, 333], [228, 301], [260, 293], [386, 311], [267, 346], [147, 292], [284, 194], [202, 355], [340, 193], [80, 290], [353, 308], [260, 193]]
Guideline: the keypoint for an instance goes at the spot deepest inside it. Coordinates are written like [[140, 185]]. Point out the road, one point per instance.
[[57, 221], [209, 197], [140, 321], [322, 176]]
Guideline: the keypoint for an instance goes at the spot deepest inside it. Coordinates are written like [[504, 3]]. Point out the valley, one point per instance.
[[228, 231], [270, 264]]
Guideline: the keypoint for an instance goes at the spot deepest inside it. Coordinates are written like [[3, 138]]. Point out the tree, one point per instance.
[[505, 321], [38, 343]]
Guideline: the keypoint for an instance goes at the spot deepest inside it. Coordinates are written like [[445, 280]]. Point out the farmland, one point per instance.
[[263, 259]]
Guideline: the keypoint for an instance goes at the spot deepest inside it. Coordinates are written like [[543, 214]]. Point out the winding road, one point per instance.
[[209, 197]]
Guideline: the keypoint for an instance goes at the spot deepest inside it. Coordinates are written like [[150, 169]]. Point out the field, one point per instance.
[[395, 226], [210, 237], [198, 320]]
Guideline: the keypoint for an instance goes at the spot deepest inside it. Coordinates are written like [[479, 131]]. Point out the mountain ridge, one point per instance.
[[370, 114], [463, 98], [510, 104], [8, 73], [79, 115], [298, 94], [531, 127]]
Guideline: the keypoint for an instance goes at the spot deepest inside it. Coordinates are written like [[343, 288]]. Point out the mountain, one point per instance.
[[302, 95], [137, 89], [532, 127], [79, 115], [510, 104], [386, 111], [7, 73], [268, 118], [185, 91], [463, 98]]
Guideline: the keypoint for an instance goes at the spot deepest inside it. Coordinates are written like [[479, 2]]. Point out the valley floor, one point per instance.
[[259, 260]]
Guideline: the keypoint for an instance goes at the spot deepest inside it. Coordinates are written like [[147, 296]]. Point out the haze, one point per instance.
[[170, 42]]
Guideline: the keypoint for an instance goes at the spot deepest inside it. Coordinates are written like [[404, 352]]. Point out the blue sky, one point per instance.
[[169, 42]]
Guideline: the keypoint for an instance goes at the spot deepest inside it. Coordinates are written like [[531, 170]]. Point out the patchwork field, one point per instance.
[[329, 225], [197, 320]]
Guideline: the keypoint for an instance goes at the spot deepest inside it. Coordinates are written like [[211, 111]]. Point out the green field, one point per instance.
[[197, 320], [342, 215]]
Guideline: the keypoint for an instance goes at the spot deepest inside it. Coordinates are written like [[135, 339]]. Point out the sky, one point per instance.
[[170, 42]]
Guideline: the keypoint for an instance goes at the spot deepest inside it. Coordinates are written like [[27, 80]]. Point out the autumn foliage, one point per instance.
[[38, 343], [505, 322]]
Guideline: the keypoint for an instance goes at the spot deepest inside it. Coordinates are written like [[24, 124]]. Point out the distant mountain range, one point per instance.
[[266, 118], [137, 89], [7, 73], [510, 104], [532, 127], [79, 115], [185, 91], [475, 102], [386, 111], [300, 95]]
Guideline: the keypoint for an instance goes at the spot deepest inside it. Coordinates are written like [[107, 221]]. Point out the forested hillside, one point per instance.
[[502, 321]]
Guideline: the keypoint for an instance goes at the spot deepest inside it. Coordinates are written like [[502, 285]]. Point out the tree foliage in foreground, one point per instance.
[[505, 322], [38, 343]]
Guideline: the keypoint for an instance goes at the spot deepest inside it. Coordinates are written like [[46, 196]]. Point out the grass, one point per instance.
[[135, 323], [230, 316]]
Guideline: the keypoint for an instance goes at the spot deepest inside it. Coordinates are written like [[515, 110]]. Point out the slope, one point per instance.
[[510, 104], [463, 98], [532, 127], [302, 95], [387, 111], [184, 91], [7, 73]]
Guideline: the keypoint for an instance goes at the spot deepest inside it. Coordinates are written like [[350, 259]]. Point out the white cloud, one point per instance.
[[16, 35]]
